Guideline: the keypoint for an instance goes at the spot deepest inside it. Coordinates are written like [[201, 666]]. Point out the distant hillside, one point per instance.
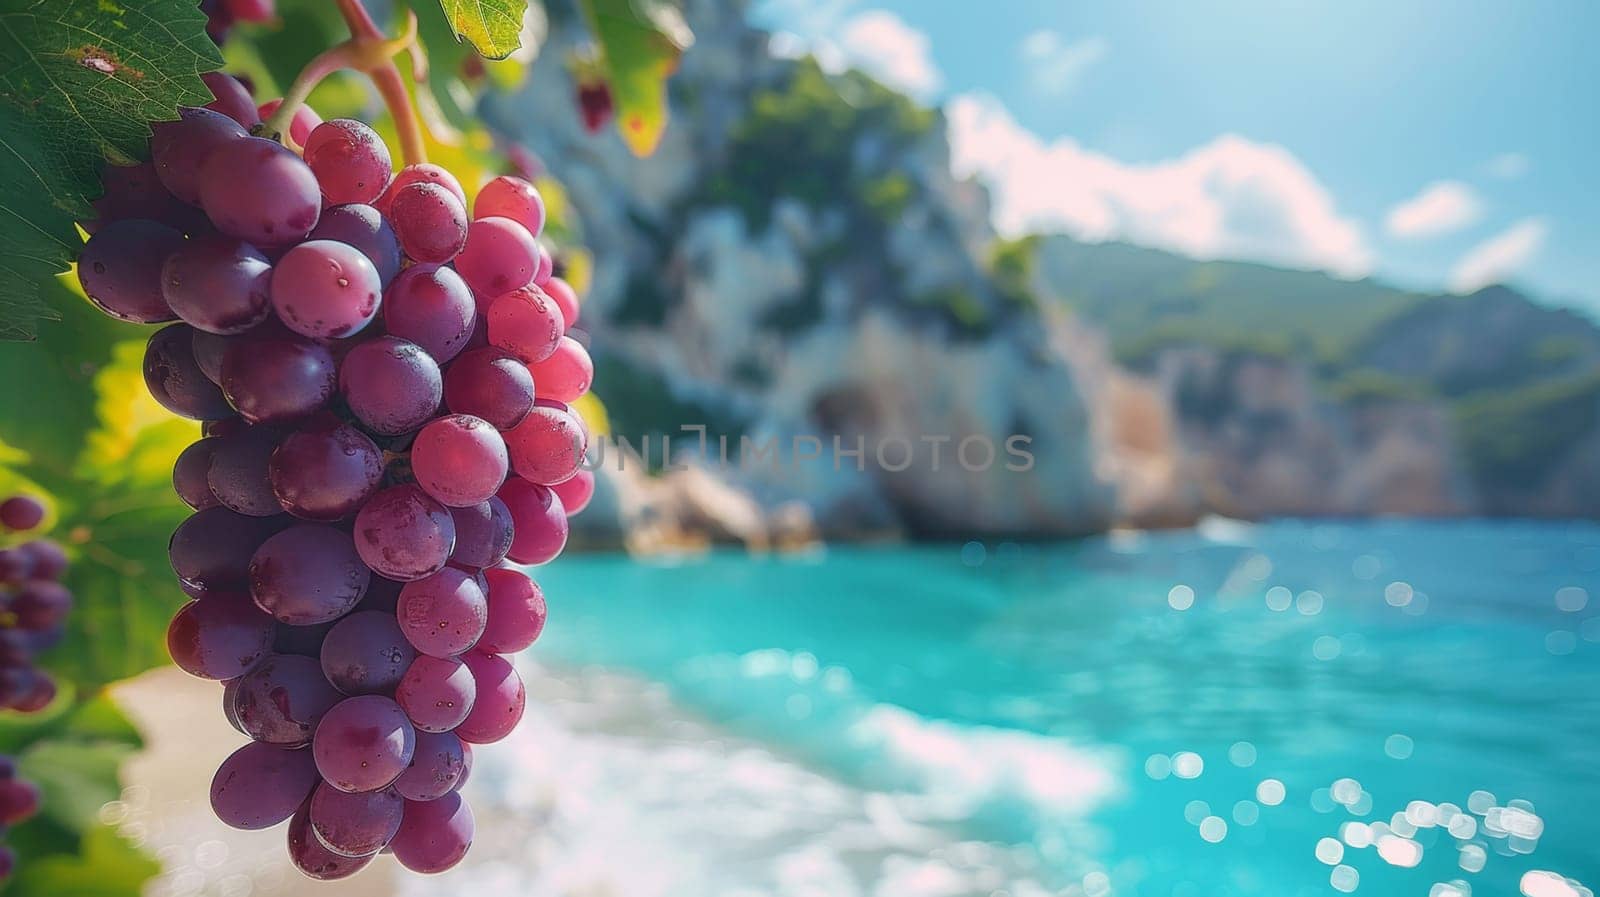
[[1146, 299], [1518, 382]]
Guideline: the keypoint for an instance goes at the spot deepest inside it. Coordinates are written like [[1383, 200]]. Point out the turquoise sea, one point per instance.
[[1183, 713]]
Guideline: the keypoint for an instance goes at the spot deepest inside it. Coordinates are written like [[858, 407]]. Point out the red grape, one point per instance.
[[514, 198], [459, 459], [526, 323], [429, 221], [500, 699], [350, 161]]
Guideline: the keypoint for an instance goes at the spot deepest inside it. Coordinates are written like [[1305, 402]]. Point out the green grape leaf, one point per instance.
[[640, 42], [107, 866], [79, 83], [493, 26], [73, 750]]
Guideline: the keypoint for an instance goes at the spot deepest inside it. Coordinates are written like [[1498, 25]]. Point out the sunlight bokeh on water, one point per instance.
[[1293, 708]]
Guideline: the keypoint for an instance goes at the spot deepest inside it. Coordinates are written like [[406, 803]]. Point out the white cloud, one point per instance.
[[881, 44], [1056, 65], [1507, 166], [1441, 207], [1500, 256], [875, 41], [1230, 198]]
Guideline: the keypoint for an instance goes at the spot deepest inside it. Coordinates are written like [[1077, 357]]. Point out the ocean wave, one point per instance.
[[612, 787]]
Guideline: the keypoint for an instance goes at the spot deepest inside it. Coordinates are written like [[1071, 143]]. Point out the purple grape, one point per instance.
[[350, 160], [436, 694], [434, 835], [277, 378], [48, 559], [208, 351], [404, 534], [439, 765], [483, 534], [19, 800], [391, 385], [178, 148], [499, 701], [516, 611], [175, 379], [282, 699], [459, 460], [443, 614], [219, 637], [325, 289], [492, 384], [366, 654], [363, 227], [258, 190], [40, 605], [238, 472], [431, 306], [232, 98], [325, 471], [430, 221], [21, 512], [355, 824], [230, 687], [309, 573], [312, 858], [363, 743], [120, 269], [217, 284], [190, 471], [211, 550], [261, 785], [16, 565], [136, 191]]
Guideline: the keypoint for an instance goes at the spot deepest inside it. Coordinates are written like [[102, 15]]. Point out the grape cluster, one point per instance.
[[384, 382], [19, 801], [33, 607]]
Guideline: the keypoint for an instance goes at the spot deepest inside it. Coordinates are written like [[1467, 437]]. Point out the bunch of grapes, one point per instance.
[[383, 380], [33, 607], [19, 801]]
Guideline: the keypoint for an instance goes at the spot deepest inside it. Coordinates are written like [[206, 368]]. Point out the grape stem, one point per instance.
[[370, 52]]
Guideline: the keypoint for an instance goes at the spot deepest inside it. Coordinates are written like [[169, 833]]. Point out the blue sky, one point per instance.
[[1432, 144]]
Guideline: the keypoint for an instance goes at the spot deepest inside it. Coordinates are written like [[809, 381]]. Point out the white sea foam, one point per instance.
[[608, 787]]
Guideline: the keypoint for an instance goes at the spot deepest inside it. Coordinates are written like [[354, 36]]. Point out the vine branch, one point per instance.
[[372, 53]]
